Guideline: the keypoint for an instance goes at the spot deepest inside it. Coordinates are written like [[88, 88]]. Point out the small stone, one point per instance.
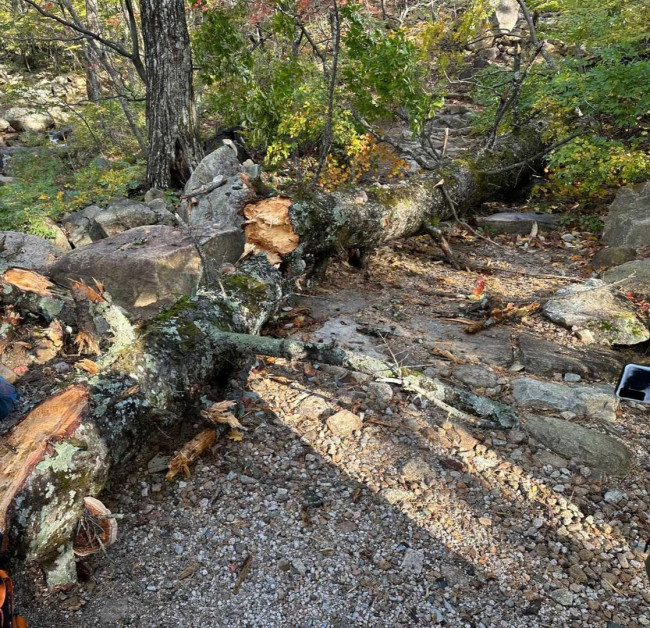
[[178, 549], [572, 377], [562, 596], [299, 566], [613, 496], [415, 470], [343, 423], [413, 561], [610, 578], [158, 464], [381, 393], [577, 575]]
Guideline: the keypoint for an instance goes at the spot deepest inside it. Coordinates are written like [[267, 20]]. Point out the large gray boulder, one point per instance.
[[612, 256], [597, 402], [628, 220], [22, 250], [634, 275], [543, 357], [147, 269], [95, 223], [81, 228], [22, 119], [583, 445], [596, 307], [124, 214], [222, 206]]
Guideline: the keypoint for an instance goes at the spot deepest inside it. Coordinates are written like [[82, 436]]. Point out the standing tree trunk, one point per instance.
[[93, 88], [174, 148]]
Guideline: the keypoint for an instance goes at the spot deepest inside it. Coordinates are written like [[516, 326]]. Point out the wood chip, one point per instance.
[[243, 572]]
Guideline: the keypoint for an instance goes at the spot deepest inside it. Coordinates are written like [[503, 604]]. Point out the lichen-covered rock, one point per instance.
[[20, 250], [122, 215], [594, 306], [94, 223], [147, 269], [628, 220], [221, 206]]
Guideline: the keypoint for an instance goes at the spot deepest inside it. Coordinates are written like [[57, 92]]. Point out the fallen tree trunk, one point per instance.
[[152, 377], [346, 220]]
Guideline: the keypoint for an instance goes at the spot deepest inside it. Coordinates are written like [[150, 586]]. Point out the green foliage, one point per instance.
[[601, 85], [278, 91], [47, 188], [592, 165], [382, 72]]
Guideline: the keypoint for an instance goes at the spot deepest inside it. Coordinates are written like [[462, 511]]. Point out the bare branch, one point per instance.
[[533, 35], [536, 156]]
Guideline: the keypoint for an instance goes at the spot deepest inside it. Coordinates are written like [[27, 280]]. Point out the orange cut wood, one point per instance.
[[268, 227], [28, 281], [51, 421]]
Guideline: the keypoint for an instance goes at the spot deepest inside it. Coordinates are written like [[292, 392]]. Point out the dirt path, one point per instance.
[[409, 520]]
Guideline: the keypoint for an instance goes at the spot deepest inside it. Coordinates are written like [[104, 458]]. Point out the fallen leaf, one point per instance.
[[235, 435], [189, 453], [28, 281], [479, 288], [88, 365], [82, 290]]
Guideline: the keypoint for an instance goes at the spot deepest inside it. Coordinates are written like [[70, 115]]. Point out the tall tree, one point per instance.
[[174, 148], [93, 88]]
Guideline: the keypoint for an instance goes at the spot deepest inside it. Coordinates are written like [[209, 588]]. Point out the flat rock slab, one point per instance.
[[585, 446], [147, 269], [597, 402], [20, 250], [489, 347], [594, 306], [519, 222], [543, 357]]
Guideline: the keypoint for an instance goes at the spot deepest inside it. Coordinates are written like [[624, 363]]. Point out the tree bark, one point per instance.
[[93, 88], [174, 148]]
